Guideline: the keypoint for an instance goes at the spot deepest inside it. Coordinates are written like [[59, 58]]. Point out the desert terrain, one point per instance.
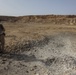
[[39, 45]]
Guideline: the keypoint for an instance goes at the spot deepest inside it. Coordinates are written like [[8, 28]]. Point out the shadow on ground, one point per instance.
[[19, 57]]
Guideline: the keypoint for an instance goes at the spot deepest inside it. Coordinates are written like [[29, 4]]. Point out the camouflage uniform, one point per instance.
[[2, 38]]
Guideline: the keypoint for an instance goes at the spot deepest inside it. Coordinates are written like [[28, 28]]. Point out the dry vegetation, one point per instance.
[[36, 27], [30, 35]]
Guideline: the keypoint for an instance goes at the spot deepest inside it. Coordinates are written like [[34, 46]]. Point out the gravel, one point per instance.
[[54, 55]]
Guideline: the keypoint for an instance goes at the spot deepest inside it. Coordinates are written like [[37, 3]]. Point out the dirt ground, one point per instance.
[[33, 31], [39, 49]]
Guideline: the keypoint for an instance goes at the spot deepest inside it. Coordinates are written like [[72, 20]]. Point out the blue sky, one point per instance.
[[37, 7]]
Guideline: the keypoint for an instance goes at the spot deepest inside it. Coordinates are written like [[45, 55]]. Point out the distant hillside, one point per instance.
[[8, 18], [54, 19]]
